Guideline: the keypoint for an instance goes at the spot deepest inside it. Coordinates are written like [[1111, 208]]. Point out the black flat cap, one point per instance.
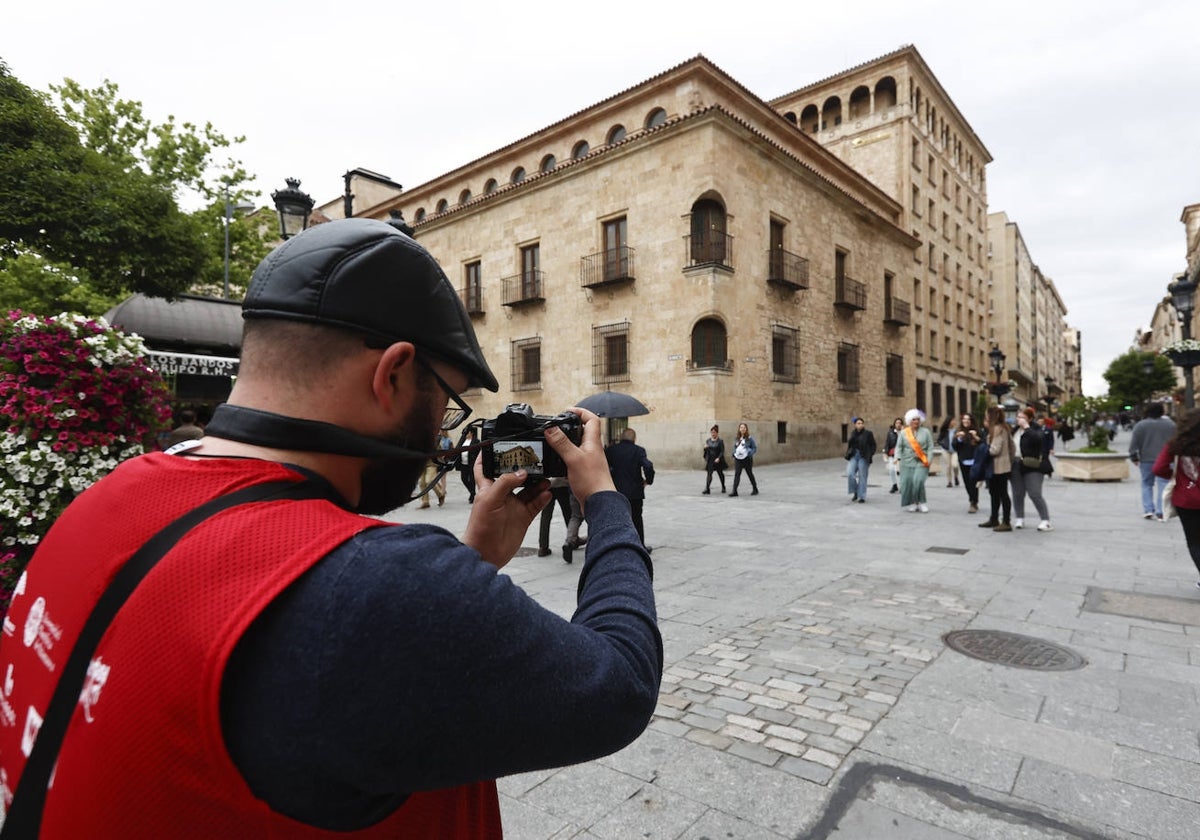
[[366, 276]]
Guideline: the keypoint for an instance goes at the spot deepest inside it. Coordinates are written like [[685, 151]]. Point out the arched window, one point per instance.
[[518, 175], [581, 149], [442, 205], [489, 186], [464, 196], [548, 163], [831, 113], [790, 116], [615, 134], [885, 93], [860, 102], [710, 243], [656, 118], [810, 119], [709, 346], [420, 217]]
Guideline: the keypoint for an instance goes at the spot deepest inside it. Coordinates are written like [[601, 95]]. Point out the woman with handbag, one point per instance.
[[1180, 460], [714, 459], [1029, 470], [744, 448]]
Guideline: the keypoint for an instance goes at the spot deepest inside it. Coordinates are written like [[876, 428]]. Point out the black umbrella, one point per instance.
[[613, 404]]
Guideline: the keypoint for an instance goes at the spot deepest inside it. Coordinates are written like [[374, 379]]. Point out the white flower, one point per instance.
[[1182, 346]]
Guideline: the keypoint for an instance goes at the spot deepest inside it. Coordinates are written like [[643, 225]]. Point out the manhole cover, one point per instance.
[[1014, 650]]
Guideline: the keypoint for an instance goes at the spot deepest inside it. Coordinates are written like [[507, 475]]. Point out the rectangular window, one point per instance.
[[847, 367], [932, 265], [473, 288], [839, 265], [616, 249], [610, 353], [917, 340], [526, 364], [531, 272], [936, 393], [916, 154], [920, 394], [781, 431], [784, 354], [932, 215], [895, 375], [916, 201], [933, 344]]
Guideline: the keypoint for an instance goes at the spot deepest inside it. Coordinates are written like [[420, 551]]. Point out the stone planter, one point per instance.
[[1092, 466]]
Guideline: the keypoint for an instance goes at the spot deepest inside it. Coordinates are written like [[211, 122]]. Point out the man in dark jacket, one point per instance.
[[631, 472]]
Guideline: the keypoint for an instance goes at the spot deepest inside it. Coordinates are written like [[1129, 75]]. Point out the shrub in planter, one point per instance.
[[1098, 439], [76, 398]]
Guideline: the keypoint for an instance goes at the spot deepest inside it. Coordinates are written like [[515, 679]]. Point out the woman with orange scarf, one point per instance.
[[913, 447]]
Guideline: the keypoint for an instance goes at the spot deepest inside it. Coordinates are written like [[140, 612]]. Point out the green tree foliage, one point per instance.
[[1128, 383], [94, 191], [31, 283]]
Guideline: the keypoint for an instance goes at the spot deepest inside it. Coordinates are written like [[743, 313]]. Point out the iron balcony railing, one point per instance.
[[787, 269], [472, 298], [607, 267], [850, 293], [710, 248], [897, 312], [523, 288]]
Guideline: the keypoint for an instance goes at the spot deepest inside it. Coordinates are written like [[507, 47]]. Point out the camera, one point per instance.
[[519, 442]]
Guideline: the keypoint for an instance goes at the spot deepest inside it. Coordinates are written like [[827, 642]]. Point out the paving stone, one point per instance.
[[813, 772]]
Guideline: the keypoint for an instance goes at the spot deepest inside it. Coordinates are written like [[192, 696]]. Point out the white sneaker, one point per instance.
[[923, 508], [1018, 523], [912, 509], [1045, 525]]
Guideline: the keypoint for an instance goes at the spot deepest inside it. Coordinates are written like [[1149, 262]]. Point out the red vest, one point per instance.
[[144, 755]]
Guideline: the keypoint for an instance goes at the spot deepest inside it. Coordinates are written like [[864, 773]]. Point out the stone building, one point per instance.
[[891, 120], [681, 241], [1028, 318]]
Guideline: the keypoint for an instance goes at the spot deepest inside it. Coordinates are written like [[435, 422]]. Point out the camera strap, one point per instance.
[[278, 431]]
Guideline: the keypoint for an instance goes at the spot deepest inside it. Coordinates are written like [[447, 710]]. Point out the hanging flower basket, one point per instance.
[[1185, 353]]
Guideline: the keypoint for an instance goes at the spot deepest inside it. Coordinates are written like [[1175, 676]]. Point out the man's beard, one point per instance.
[[389, 483]]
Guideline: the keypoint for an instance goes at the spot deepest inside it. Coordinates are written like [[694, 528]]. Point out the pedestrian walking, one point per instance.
[[914, 447], [714, 459], [893, 462], [1149, 436], [1180, 459], [466, 464], [632, 472], [1032, 444], [966, 442], [744, 448], [946, 444], [860, 451], [1000, 457]]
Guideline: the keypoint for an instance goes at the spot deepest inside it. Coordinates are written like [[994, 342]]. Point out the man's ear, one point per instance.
[[394, 372]]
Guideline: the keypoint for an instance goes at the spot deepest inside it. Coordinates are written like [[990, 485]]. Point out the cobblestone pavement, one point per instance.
[[808, 691]]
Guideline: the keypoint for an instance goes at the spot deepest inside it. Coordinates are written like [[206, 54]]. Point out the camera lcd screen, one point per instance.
[[512, 455]]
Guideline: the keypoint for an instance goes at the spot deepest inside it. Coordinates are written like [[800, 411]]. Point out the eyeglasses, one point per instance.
[[457, 411]]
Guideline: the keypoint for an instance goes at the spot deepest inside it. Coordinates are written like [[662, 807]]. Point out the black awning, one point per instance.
[[188, 324]]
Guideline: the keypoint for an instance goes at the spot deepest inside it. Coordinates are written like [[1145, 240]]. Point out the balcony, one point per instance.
[[849, 294], [711, 249], [472, 299], [709, 364], [607, 268], [896, 311], [786, 269], [523, 288]]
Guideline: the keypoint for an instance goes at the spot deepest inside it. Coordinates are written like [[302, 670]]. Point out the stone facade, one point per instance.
[[892, 121], [790, 264], [1028, 317]]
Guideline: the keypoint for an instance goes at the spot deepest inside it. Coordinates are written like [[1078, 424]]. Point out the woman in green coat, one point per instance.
[[913, 448]]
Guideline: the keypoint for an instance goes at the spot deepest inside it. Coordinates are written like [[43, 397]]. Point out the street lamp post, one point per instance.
[[1181, 297], [229, 208], [996, 358], [1049, 398], [1147, 372], [294, 206]]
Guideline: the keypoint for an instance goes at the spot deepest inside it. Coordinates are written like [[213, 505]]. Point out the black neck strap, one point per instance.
[[278, 431]]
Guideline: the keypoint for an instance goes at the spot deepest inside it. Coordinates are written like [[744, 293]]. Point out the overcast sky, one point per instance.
[[1089, 110]]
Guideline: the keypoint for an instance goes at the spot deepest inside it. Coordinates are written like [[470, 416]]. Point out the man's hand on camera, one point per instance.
[[587, 468], [500, 517]]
